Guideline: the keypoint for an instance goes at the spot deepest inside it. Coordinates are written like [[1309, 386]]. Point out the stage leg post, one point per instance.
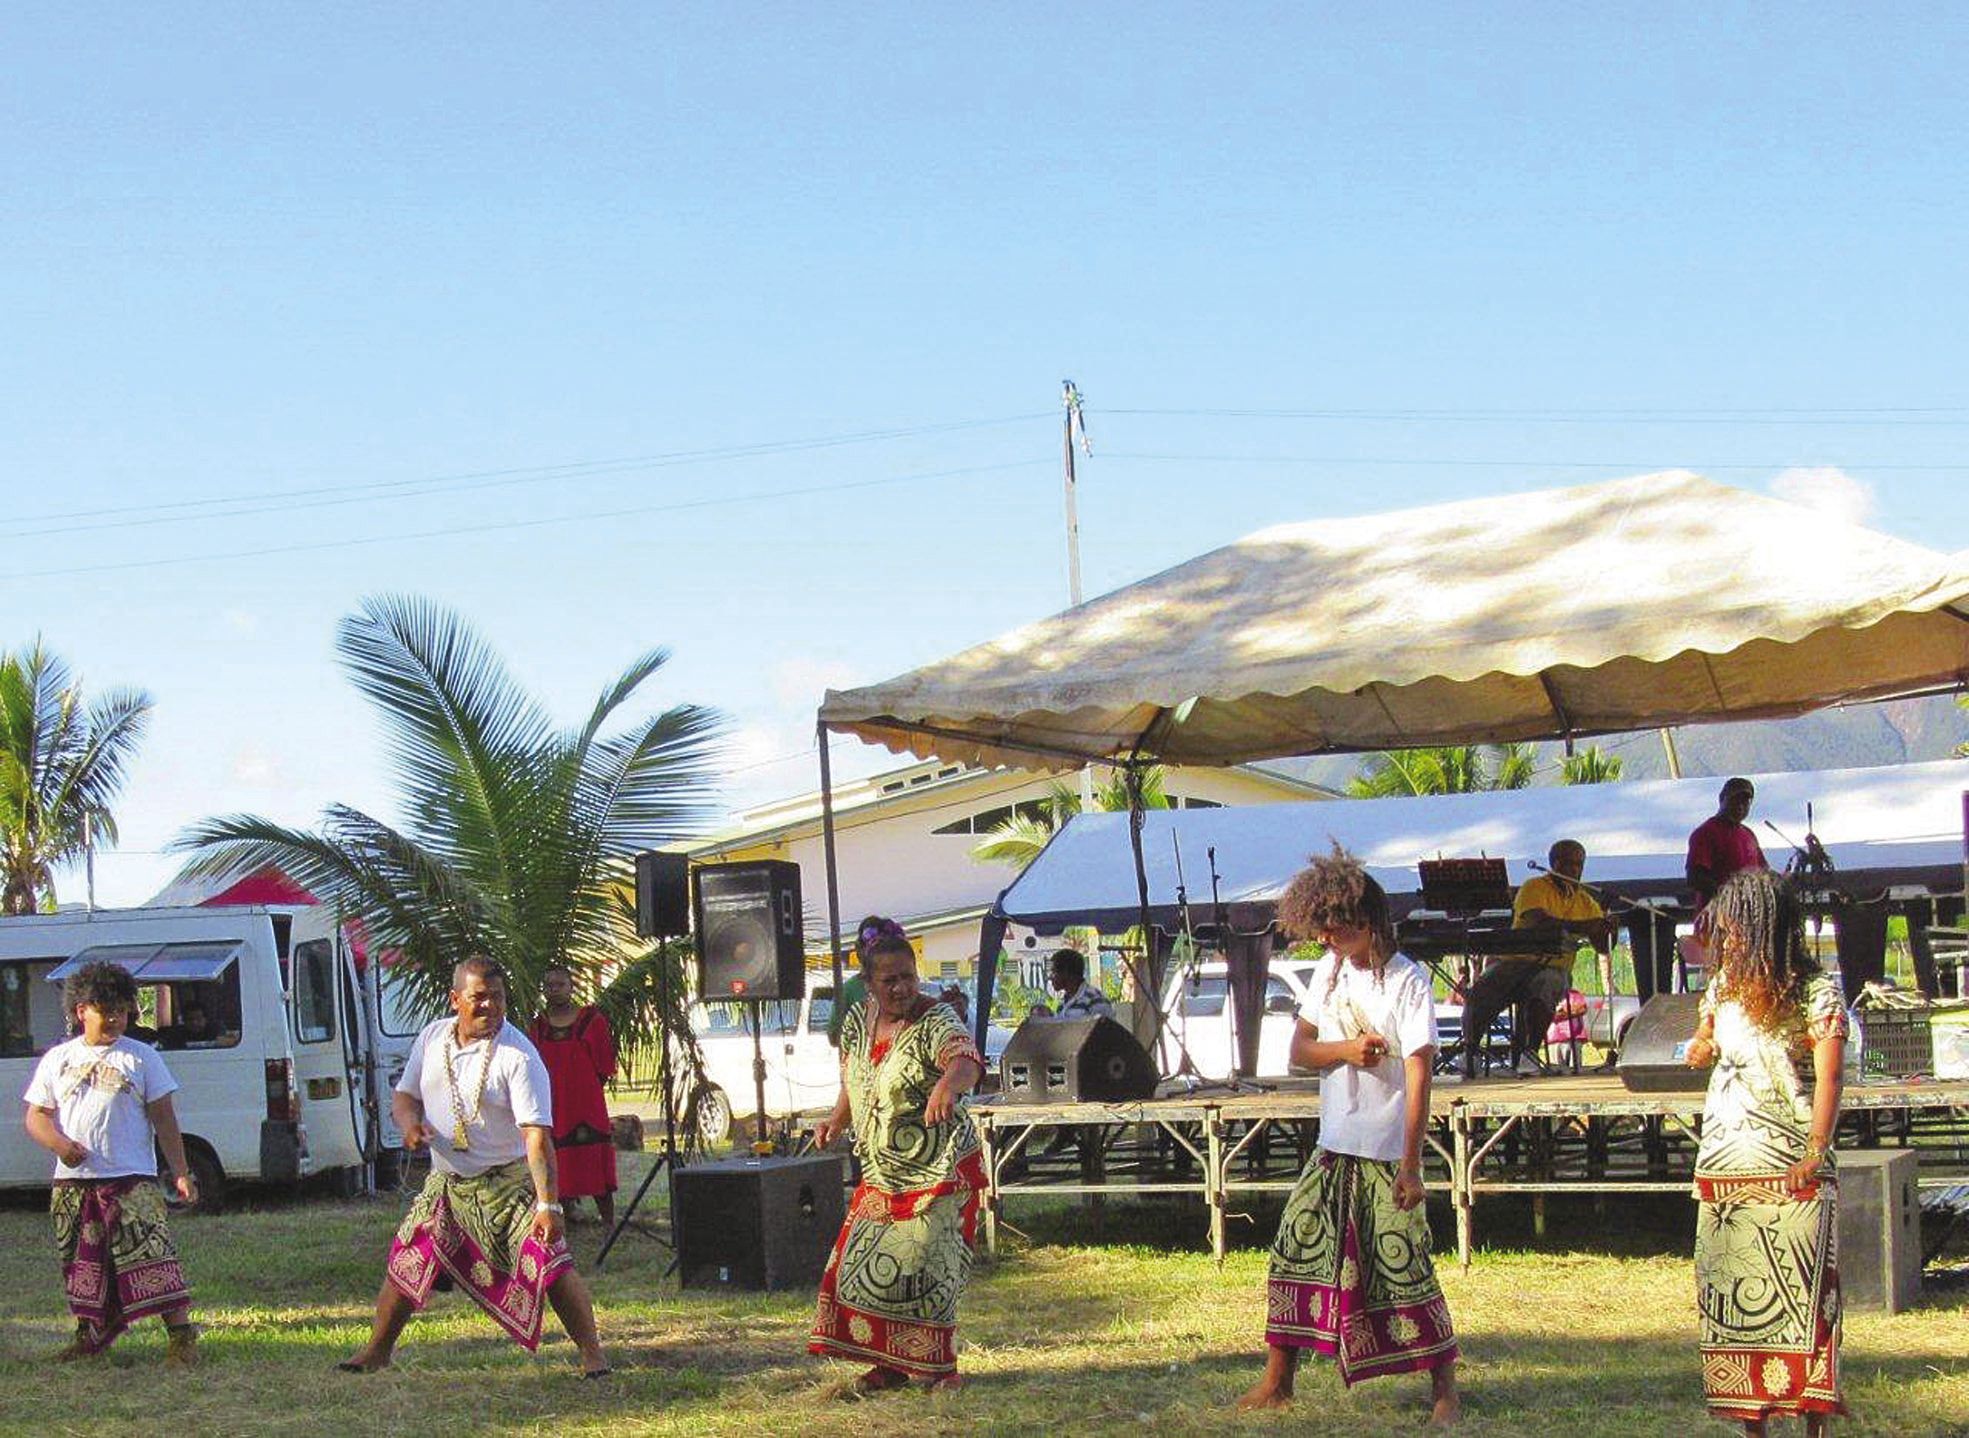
[[1459, 1181], [988, 1135], [1214, 1182]]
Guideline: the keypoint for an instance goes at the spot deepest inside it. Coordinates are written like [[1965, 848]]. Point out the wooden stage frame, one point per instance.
[[1580, 1134]]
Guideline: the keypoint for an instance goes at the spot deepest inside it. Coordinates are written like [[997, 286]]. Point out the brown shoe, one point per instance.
[[182, 1349]]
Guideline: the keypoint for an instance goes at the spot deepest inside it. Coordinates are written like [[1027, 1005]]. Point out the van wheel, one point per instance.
[[714, 1117], [208, 1174]]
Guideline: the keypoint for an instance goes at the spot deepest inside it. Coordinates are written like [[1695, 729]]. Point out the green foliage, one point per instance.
[[1591, 765], [516, 832], [63, 761], [1451, 769], [1018, 840]]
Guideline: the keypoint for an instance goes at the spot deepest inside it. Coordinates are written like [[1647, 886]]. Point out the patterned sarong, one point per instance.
[[1767, 1287], [479, 1232], [1351, 1274], [118, 1261], [890, 1292]]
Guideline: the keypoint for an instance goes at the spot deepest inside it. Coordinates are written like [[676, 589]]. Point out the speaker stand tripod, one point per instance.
[[669, 1159]]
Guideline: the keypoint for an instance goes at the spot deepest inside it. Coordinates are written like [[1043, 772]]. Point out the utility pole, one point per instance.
[[1674, 759], [1075, 426]]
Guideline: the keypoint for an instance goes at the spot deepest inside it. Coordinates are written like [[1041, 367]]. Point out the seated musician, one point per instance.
[[1553, 903]]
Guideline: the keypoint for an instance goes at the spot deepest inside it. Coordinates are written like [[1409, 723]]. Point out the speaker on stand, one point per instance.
[[751, 944]]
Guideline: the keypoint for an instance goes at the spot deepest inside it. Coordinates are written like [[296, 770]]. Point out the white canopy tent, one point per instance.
[[1638, 603]]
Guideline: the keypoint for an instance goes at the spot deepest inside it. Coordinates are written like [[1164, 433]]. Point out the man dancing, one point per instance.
[[488, 1217]]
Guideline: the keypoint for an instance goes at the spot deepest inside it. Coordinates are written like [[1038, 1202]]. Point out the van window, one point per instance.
[[314, 992], [32, 1019], [1203, 996], [403, 1013], [726, 1018], [202, 1014], [820, 1011]]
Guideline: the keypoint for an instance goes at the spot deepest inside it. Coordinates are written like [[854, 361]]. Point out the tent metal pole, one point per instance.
[[827, 850], [1148, 976]]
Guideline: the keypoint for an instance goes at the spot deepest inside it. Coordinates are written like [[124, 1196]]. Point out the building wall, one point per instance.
[[890, 860]]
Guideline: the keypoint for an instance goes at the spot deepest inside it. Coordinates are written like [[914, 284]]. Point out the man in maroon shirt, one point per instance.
[[1723, 843]]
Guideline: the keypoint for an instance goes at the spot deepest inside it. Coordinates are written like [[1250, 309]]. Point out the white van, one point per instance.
[[257, 1016], [803, 1070]]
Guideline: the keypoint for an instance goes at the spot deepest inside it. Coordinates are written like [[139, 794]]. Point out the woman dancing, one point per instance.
[[889, 1296], [1351, 1274], [1767, 1283]]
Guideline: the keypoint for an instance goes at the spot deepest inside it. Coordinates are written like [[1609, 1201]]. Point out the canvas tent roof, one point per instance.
[[1636, 603], [1899, 824]]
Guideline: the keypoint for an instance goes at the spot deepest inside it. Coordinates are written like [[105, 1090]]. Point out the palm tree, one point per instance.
[[1453, 769], [1018, 840], [516, 833], [62, 764], [1591, 765]]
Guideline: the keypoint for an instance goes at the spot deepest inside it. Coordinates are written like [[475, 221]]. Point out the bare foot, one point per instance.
[[1266, 1393], [363, 1362], [867, 1385], [1447, 1410], [944, 1383]]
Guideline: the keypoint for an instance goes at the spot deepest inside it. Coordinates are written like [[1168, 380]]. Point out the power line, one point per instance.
[[172, 511], [1846, 417], [1624, 466], [450, 531]]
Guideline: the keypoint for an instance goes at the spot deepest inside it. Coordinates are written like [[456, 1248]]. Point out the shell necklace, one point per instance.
[[461, 1116]]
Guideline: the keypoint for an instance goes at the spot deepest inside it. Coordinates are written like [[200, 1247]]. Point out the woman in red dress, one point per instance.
[[575, 1043]]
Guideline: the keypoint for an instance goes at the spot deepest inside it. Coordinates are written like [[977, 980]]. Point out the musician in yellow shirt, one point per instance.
[[1535, 985]]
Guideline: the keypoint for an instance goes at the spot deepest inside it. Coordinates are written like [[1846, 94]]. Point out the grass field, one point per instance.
[[1588, 1331]]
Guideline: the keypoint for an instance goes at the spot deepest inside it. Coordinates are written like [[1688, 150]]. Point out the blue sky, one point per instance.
[[411, 281]]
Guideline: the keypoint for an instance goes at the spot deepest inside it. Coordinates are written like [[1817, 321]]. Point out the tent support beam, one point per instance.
[[827, 850]]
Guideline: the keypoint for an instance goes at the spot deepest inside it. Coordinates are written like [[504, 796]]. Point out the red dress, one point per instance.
[[579, 1058]]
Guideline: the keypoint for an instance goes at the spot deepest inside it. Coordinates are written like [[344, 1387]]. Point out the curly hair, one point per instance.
[[105, 986], [1335, 890], [1758, 931]]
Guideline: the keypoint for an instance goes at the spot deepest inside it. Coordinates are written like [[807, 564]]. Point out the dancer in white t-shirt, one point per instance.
[[475, 1093], [95, 1102], [1350, 1273]]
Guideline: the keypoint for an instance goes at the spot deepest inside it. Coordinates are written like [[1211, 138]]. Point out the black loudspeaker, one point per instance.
[[1654, 1055], [663, 895], [750, 942], [1075, 1061], [757, 1223]]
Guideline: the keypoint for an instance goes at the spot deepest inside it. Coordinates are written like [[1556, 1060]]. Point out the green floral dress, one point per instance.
[[890, 1292]]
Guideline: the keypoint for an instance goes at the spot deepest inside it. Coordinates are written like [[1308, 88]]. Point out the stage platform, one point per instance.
[[1583, 1134]]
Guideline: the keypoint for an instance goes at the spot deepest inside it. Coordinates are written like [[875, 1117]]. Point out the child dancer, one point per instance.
[[101, 1103], [1350, 1272]]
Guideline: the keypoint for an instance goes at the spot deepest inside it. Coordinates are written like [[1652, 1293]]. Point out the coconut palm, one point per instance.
[[1591, 765], [1453, 769], [515, 833], [62, 763], [1018, 840]]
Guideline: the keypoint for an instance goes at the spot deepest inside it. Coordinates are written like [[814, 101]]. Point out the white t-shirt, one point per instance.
[[1362, 1110], [517, 1093], [100, 1097]]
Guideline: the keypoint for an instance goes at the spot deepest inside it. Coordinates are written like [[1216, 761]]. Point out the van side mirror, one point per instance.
[[1281, 1004]]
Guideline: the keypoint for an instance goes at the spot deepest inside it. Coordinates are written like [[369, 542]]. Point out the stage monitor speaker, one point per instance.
[[663, 895], [750, 940], [1075, 1061], [757, 1223], [1654, 1055]]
